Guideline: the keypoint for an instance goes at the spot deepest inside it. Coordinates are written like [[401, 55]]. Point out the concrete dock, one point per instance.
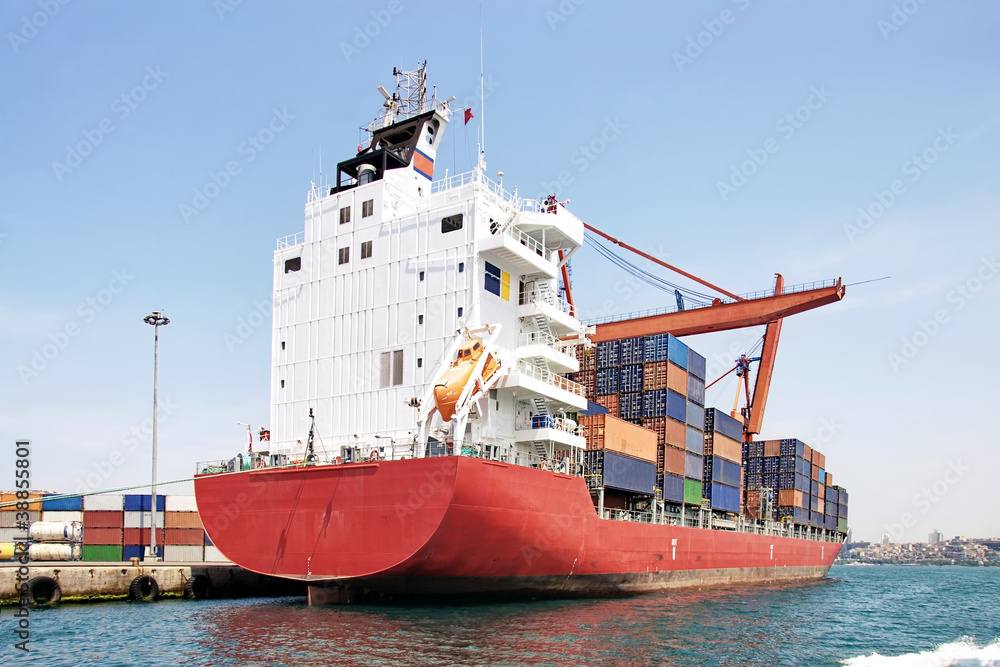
[[81, 581]]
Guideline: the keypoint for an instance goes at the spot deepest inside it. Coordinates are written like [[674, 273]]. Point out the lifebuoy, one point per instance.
[[143, 588], [261, 463], [545, 464], [373, 456], [44, 591]]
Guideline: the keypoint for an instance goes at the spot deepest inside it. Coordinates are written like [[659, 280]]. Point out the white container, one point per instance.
[[144, 519], [56, 531], [181, 504], [12, 534], [9, 519], [213, 555], [62, 517], [176, 553], [109, 502], [55, 552]]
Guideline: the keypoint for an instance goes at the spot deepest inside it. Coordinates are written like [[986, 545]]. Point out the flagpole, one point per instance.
[[482, 94]]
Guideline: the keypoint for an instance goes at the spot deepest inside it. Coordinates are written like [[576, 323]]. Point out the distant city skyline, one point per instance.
[[154, 153]]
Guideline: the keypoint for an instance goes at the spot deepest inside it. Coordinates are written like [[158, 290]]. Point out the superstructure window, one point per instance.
[[293, 264], [366, 250], [451, 223], [344, 255], [461, 267], [367, 208], [421, 276], [420, 319], [345, 215], [460, 311], [497, 281], [391, 368]]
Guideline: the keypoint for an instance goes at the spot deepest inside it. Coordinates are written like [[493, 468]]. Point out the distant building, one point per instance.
[[885, 539], [934, 537]]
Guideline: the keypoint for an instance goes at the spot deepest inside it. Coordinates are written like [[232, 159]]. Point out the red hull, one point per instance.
[[459, 525]]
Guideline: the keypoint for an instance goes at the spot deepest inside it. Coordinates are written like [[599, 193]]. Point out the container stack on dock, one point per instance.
[[103, 527], [184, 536], [791, 478], [658, 383]]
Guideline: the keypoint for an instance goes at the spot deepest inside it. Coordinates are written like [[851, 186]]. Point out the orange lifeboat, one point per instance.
[[457, 377]]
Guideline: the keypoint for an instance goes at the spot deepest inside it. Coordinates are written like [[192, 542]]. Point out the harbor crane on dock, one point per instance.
[[726, 312]]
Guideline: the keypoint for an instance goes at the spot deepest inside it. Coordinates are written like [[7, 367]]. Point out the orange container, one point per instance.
[[676, 433], [610, 401], [185, 536], [617, 435], [773, 448], [112, 536], [134, 536], [822, 492], [677, 379], [183, 520], [818, 459], [657, 425], [815, 473], [807, 452], [673, 460], [654, 375], [790, 498], [726, 448], [829, 480], [104, 519]]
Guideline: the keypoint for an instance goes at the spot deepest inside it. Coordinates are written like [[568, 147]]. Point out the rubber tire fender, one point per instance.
[[143, 589], [198, 587], [44, 591]]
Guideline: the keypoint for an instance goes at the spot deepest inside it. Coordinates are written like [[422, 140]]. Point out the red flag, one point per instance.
[[468, 116]]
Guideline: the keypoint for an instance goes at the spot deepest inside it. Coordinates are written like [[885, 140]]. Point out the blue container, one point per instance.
[[814, 503], [208, 541], [130, 551], [694, 441], [802, 483], [630, 406], [816, 520], [799, 516], [673, 488], [655, 348], [832, 496], [632, 351], [772, 464], [607, 381], [608, 354], [831, 522], [793, 447], [754, 481], [841, 511], [843, 494], [654, 403], [723, 471], [769, 480], [814, 488], [594, 409], [755, 466], [62, 505], [631, 378], [722, 497], [786, 480], [676, 406], [677, 352], [822, 476], [135, 502], [626, 473], [696, 390], [693, 466], [696, 365], [719, 422], [695, 415]]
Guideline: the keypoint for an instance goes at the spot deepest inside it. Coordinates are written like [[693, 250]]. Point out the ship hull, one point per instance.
[[460, 526]]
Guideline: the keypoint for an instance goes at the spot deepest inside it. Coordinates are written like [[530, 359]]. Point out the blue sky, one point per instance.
[[116, 116]]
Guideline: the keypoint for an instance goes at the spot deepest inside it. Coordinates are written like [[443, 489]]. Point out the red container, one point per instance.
[[673, 460], [815, 473], [140, 536], [772, 448], [676, 433], [102, 536], [185, 536], [657, 425], [829, 480], [677, 379], [654, 376], [610, 402], [102, 519]]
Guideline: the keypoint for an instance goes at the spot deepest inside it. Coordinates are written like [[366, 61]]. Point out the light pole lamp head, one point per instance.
[[156, 319]]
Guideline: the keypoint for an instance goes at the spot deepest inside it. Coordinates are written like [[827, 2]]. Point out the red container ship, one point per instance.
[[423, 349]]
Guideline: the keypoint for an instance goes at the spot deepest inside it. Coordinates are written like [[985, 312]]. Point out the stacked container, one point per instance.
[[9, 530], [138, 525], [619, 455], [103, 527], [184, 537], [723, 451]]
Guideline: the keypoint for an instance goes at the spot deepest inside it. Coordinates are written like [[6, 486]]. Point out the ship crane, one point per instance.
[[727, 312]]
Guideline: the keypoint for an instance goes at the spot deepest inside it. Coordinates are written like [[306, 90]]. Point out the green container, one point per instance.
[[102, 552], [692, 492], [841, 525]]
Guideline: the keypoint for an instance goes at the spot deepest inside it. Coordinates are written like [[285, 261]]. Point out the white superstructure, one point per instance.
[[390, 268]]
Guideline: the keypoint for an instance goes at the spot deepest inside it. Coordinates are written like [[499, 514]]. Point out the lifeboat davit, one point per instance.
[[457, 377]]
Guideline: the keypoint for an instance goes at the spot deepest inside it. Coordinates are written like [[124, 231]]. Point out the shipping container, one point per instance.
[[607, 381], [673, 460], [630, 379], [829, 479], [186, 519], [696, 390], [822, 476], [676, 433], [102, 553], [676, 406], [696, 365], [693, 466], [723, 447], [807, 452], [213, 555], [696, 415], [821, 491], [631, 350], [842, 511], [797, 515], [106, 502], [722, 497], [654, 375], [692, 491], [103, 519], [143, 519], [604, 432], [622, 472], [842, 494], [62, 504], [724, 472], [673, 488], [139, 535], [130, 551], [13, 534], [772, 448], [184, 536], [657, 425], [630, 407], [610, 402], [677, 378], [608, 355], [208, 540], [818, 459], [841, 525], [791, 498], [720, 422], [61, 516], [695, 441], [816, 520], [655, 348], [11, 520], [677, 352], [792, 447], [103, 536], [137, 502], [179, 553]]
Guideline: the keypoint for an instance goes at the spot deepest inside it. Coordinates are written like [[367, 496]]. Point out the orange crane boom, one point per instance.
[[764, 370]]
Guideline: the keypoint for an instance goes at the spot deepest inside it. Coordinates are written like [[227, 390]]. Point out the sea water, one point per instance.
[[859, 616]]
